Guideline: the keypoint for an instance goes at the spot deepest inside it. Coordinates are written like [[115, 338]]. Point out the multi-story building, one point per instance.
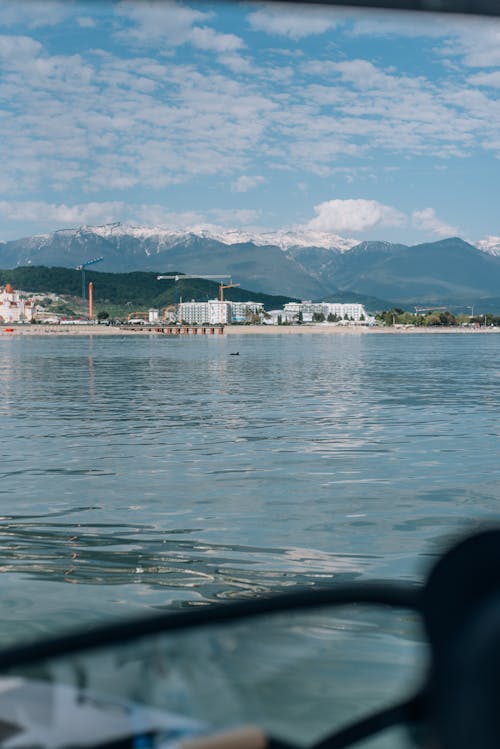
[[13, 308], [212, 312], [215, 312], [349, 311], [354, 312], [244, 311]]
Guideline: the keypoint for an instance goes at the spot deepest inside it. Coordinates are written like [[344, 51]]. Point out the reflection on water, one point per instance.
[[120, 555], [153, 472]]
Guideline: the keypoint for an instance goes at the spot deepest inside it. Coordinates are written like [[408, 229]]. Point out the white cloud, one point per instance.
[[60, 214], [488, 240], [119, 119], [208, 39], [105, 122], [426, 220], [237, 63], [491, 80], [212, 219], [33, 14], [234, 216], [359, 215], [354, 215], [18, 49], [292, 21], [112, 123], [154, 22], [477, 41], [85, 22], [380, 23], [159, 215], [247, 182], [396, 113]]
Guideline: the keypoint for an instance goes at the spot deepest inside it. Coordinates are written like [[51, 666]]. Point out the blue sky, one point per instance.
[[367, 125]]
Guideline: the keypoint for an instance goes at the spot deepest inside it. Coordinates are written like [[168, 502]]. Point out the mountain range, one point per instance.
[[308, 265]]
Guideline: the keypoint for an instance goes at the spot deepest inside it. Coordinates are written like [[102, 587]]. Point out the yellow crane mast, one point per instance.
[[226, 286]]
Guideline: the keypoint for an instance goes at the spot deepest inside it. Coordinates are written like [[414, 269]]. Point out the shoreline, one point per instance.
[[349, 330], [231, 330]]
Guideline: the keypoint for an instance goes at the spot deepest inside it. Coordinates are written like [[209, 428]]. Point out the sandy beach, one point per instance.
[[123, 330], [348, 330]]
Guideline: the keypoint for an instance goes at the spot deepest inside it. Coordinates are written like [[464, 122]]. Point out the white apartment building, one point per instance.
[[242, 311], [354, 312], [215, 312], [279, 316], [13, 308], [212, 312]]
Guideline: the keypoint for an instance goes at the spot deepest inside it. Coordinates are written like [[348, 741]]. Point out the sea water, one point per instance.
[[154, 472]]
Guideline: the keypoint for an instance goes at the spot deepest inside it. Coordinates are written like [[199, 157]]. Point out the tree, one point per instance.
[[102, 315], [447, 318], [318, 317], [300, 317], [432, 319], [396, 316]]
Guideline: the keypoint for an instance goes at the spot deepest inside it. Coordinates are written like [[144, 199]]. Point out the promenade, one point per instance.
[[231, 330]]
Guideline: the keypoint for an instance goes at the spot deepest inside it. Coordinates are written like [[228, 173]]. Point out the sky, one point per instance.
[[255, 116]]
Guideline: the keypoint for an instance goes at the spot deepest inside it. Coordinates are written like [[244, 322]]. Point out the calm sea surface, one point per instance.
[[154, 472]]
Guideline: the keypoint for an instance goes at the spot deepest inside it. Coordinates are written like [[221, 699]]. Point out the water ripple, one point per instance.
[[154, 473]]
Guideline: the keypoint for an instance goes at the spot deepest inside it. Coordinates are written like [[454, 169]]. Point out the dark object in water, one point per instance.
[[234, 353], [456, 706]]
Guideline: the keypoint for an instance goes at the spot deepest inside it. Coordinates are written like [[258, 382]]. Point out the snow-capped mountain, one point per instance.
[[255, 264], [164, 237], [490, 244], [297, 263], [282, 238]]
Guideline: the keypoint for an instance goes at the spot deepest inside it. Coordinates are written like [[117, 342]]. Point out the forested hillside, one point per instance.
[[140, 289]]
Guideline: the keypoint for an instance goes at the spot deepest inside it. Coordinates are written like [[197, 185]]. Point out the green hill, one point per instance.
[[138, 289]]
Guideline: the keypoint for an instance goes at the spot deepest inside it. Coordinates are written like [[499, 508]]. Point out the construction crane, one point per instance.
[[219, 277], [226, 286], [418, 310], [82, 268], [181, 277]]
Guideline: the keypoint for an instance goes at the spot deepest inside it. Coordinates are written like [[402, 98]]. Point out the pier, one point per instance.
[[177, 329]]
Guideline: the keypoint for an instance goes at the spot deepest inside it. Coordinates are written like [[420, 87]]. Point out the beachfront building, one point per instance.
[[212, 312], [307, 309], [246, 311], [215, 312], [13, 308], [279, 316], [348, 311]]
